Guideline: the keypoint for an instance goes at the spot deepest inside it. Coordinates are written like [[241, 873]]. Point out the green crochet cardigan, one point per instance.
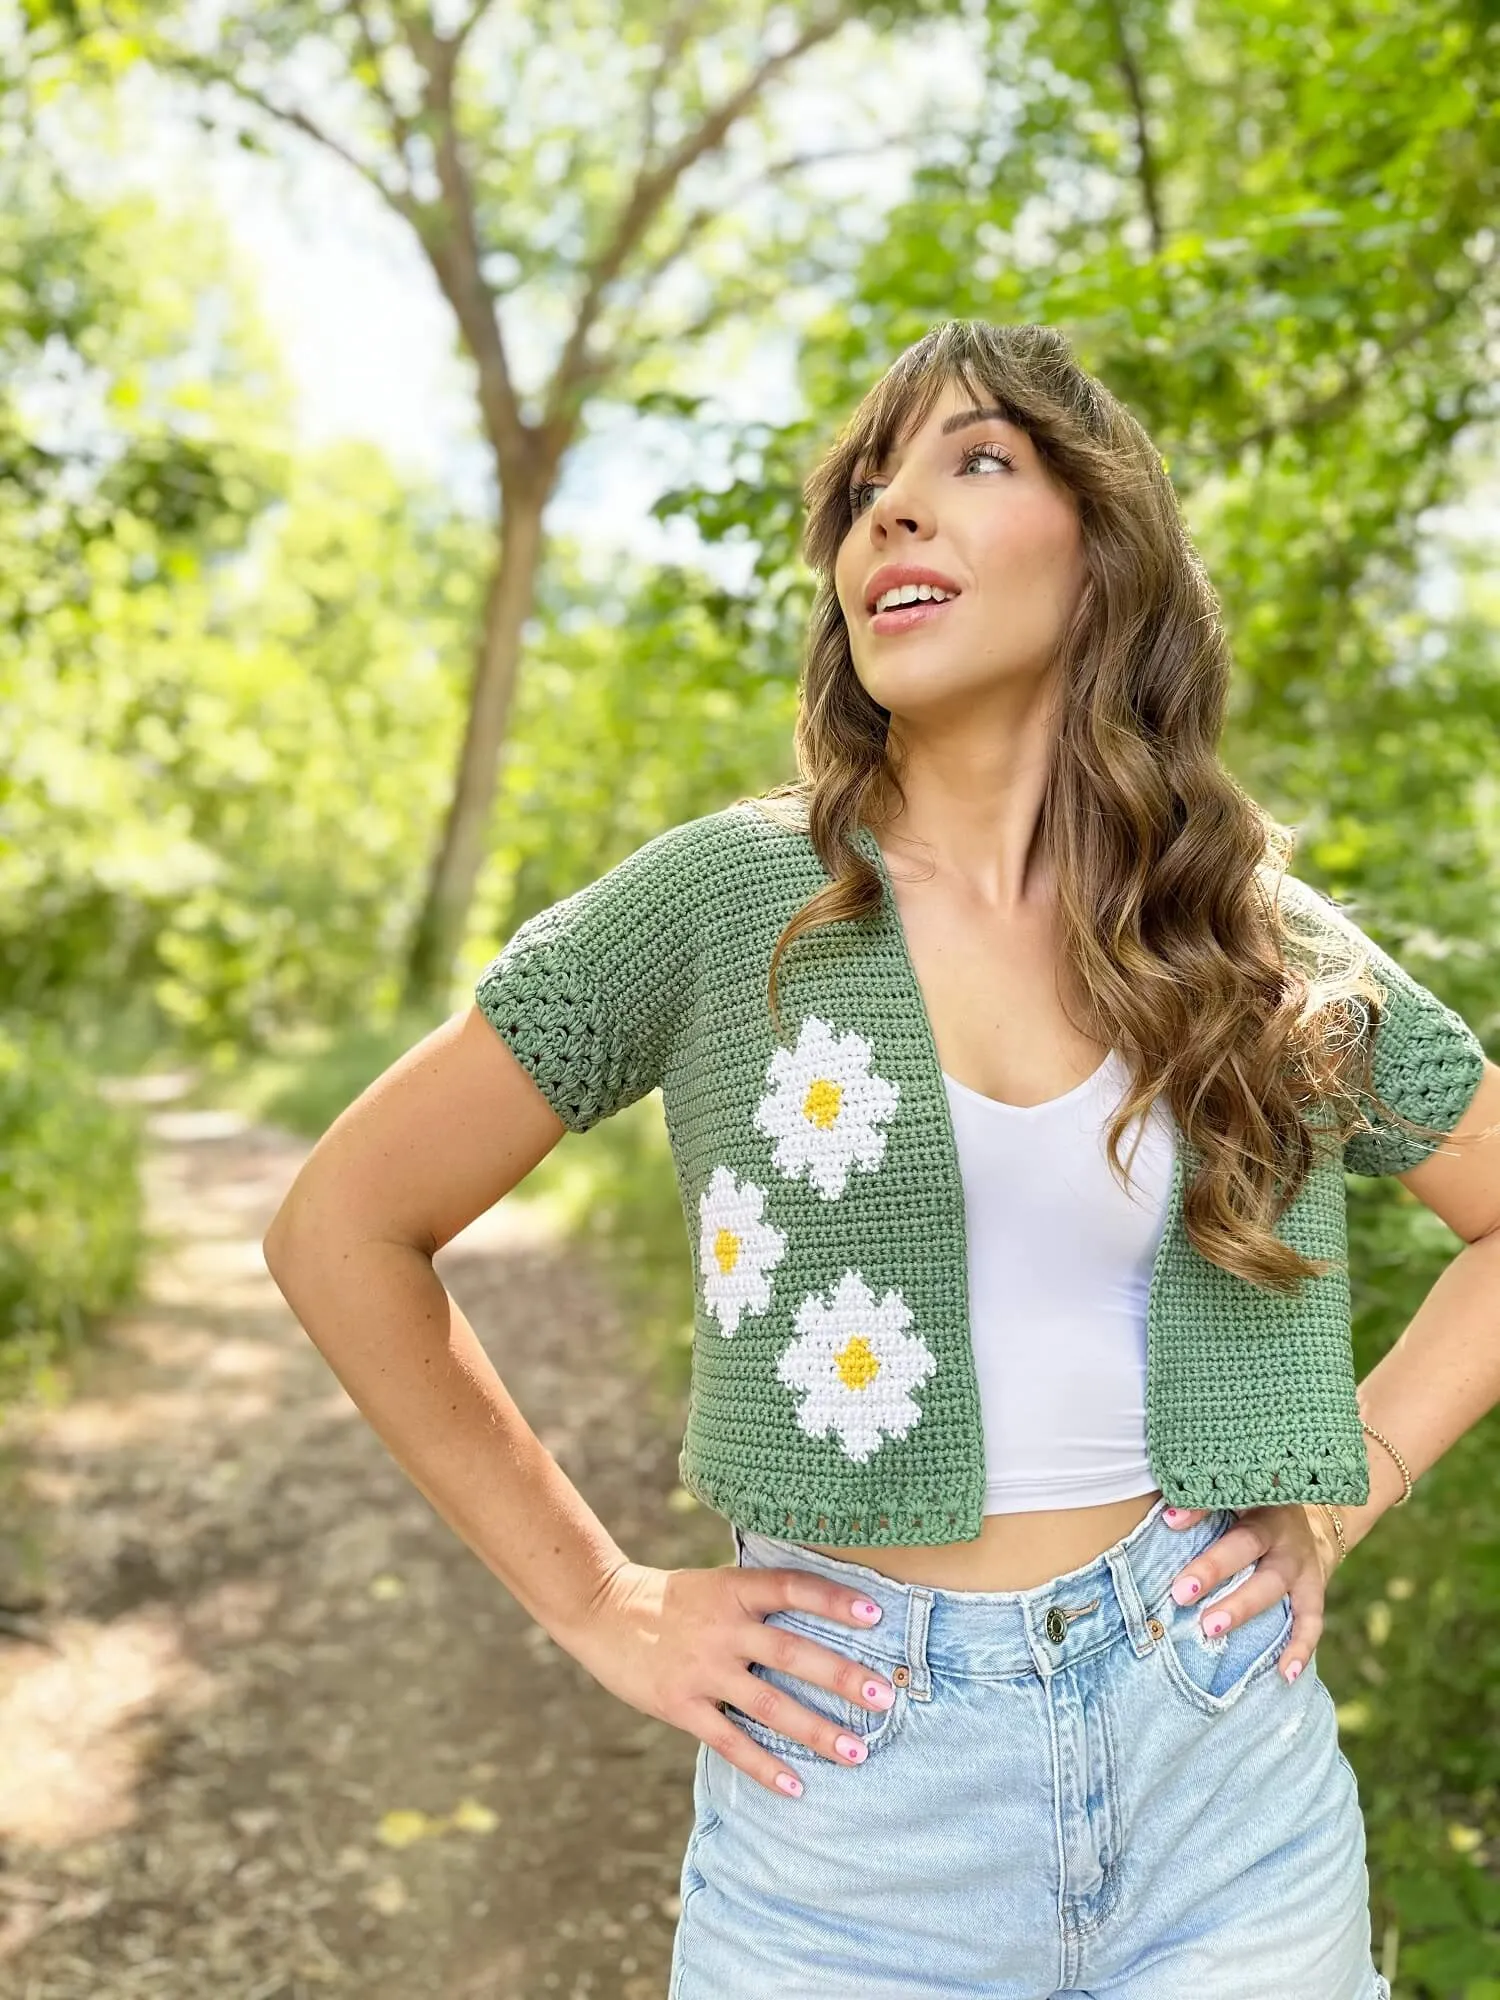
[[833, 1395]]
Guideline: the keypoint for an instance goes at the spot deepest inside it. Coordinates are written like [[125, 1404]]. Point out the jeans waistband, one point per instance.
[[997, 1632]]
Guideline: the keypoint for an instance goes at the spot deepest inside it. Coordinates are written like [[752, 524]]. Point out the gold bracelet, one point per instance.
[[1338, 1528], [1381, 1438]]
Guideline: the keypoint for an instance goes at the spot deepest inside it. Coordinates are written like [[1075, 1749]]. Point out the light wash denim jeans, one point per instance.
[[1125, 1810]]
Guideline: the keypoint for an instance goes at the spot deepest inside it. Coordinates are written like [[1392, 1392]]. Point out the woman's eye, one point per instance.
[[994, 453]]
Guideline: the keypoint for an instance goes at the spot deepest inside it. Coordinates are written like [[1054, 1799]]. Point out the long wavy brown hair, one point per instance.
[[1243, 1007]]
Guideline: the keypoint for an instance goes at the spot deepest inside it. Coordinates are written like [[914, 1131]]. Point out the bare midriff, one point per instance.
[[1011, 1551]]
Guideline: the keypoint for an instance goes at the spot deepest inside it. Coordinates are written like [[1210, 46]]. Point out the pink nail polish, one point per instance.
[[882, 1697], [790, 1785], [850, 1747], [863, 1608], [1215, 1624], [1172, 1514], [1293, 1670]]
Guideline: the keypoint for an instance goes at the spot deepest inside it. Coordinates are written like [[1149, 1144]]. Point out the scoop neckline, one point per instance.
[[1027, 1110], [864, 836]]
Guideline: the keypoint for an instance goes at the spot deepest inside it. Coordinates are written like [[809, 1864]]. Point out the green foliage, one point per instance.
[[70, 1203], [223, 809]]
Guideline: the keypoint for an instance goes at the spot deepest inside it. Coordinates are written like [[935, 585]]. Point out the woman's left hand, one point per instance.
[[1289, 1554]]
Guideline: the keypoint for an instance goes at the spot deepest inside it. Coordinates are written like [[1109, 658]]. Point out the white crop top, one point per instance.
[[1060, 1261]]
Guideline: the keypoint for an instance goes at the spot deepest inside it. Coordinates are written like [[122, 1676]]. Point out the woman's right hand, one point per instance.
[[674, 1643]]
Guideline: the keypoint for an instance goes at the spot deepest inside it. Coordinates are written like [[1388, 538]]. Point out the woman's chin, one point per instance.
[[925, 696]]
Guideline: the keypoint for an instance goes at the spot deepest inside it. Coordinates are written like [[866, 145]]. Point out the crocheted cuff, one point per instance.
[[1428, 1063], [590, 993], [548, 1011]]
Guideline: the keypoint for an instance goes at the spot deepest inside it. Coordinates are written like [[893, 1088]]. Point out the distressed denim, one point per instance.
[[1102, 1804]]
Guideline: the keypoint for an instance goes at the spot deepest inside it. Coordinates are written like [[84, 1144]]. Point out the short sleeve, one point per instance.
[[1428, 1063], [588, 994], [1427, 1060]]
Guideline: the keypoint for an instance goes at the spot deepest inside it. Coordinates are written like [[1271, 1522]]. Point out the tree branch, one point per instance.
[[453, 252], [1318, 409], [466, 27], [652, 187], [671, 44], [694, 224], [1146, 159], [457, 256], [201, 70], [400, 128]]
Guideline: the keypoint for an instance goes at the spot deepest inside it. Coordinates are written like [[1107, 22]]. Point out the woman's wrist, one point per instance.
[[1330, 1551], [1387, 1487]]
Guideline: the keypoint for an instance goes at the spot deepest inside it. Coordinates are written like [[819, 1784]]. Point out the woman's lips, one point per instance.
[[905, 616]]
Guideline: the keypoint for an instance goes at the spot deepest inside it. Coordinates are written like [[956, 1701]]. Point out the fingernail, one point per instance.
[[790, 1785], [863, 1608], [1293, 1670], [1172, 1514], [882, 1697], [850, 1747], [1215, 1624], [1185, 1589]]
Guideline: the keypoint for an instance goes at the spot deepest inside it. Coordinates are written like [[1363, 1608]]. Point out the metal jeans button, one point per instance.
[[1055, 1625]]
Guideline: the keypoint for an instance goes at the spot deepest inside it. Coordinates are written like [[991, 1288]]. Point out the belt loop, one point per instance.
[[918, 1612], [1131, 1606]]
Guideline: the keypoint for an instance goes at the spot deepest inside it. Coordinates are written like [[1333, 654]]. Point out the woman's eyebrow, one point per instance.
[[964, 417], [961, 421]]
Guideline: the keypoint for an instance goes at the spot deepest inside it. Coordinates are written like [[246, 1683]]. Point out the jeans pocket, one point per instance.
[[1211, 1675], [876, 1729]]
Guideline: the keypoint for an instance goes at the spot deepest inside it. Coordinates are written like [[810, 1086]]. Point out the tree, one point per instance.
[[540, 188]]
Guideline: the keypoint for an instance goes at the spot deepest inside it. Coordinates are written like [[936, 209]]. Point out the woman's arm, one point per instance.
[[442, 1136], [1443, 1374], [439, 1138]]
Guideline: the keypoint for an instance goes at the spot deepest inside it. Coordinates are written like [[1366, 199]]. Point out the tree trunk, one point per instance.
[[439, 927]]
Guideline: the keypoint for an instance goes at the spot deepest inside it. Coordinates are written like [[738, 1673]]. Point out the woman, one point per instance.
[[1036, 1458]]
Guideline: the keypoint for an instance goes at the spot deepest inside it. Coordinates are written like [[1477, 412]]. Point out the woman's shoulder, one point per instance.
[[713, 858], [764, 823], [1306, 917]]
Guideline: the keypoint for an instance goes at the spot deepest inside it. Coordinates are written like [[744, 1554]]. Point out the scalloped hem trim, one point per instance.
[[841, 1521], [1293, 1479], [908, 1522]]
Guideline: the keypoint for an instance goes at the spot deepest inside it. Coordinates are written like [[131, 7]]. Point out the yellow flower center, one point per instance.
[[821, 1105], [857, 1362], [726, 1250]]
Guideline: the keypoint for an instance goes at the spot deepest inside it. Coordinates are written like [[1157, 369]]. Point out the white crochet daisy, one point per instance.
[[822, 1106], [736, 1249], [854, 1363]]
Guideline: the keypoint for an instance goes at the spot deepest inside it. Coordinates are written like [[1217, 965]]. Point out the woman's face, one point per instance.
[[973, 503]]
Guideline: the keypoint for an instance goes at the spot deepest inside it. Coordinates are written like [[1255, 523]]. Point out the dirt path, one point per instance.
[[290, 1738]]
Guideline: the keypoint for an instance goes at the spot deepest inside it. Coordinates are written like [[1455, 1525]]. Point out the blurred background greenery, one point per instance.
[[294, 739]]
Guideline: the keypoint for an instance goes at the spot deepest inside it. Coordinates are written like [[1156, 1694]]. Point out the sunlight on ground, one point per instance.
[[81, 1723]]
